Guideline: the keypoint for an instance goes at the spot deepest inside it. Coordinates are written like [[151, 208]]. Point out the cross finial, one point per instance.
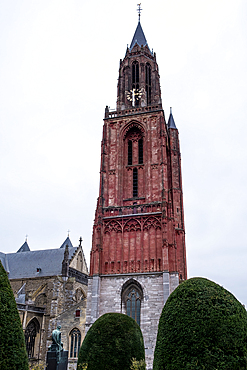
[[80, 241], [26, 238], [139, 11], [68, 232]]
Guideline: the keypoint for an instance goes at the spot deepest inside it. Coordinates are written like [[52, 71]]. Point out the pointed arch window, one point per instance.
[[131, 299], [148, 82], [133, 305], [79, 295], [135, 74], [135, 183], [30, 335], [130, 152], [140, 151], [75, 342], [135, 79]]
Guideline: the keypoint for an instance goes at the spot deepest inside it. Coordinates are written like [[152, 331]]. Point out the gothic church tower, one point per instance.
[[138, 250]]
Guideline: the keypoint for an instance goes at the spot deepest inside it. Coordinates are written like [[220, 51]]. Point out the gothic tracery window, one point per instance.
[[133, 305], [140, 150], [75, 342], [134, 153], [135, 79], [135, 183], [30, 335], [131, 298], [130, 152], [148, 82]]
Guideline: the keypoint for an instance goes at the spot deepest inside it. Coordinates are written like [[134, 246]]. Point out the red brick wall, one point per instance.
[[144, 233]]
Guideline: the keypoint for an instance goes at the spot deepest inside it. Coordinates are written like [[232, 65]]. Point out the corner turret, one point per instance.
[[171, 122]]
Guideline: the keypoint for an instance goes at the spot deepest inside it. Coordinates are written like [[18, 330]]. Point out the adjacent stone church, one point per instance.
[[50, 287], [138, 251]]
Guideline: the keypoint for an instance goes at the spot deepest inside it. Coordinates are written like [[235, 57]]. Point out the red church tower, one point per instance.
[[138, 250]]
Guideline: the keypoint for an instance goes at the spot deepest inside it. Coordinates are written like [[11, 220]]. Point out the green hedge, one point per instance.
[[13, 355], [111, 343], [202, 326]]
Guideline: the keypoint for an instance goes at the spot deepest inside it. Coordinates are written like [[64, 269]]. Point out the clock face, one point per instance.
[[134, 94]]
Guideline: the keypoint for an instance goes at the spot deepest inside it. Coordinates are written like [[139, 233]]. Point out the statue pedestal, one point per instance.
[[51, 360]]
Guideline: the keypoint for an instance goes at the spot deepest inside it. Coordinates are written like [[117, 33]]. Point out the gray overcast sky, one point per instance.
[[59, 64]]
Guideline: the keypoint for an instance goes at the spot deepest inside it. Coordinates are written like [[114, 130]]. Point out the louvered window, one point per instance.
[[140, 151], [135, 79], [129, 152], [148, 82], [135, 183]]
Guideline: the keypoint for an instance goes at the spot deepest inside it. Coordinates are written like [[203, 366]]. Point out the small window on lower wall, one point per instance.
[[77, 313], [75, 342]]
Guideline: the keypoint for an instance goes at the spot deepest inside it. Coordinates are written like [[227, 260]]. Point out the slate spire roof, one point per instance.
[[171, 122], [138, 37], [24, 248], [67, 242]]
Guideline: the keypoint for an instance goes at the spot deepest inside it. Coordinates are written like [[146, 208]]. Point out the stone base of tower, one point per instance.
[[105, 294]]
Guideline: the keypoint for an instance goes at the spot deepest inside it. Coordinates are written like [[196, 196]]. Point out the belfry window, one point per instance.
[[75, 342], [135, 183], [129, 152], [148, 83], [131, 299], [140, 151], [135, 79], [135, 75]]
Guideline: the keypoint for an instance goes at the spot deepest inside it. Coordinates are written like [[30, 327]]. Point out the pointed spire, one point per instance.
[[67, 242], [24, 247], [171, 122], [65, 263], [139, 37]]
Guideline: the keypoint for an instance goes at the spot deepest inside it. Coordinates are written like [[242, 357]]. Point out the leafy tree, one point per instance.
[[13, 355], [202, 326], [111, 343]]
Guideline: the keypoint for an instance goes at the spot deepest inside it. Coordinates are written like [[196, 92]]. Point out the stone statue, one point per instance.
[[56, 338], [57, 345], [56, 358]]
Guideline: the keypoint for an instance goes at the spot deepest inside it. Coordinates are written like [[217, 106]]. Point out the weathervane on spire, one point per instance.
[[139, 11]]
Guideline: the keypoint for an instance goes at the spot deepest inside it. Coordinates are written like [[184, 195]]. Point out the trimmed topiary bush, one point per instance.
[[13, 355], [202, 326], [111, 343]]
